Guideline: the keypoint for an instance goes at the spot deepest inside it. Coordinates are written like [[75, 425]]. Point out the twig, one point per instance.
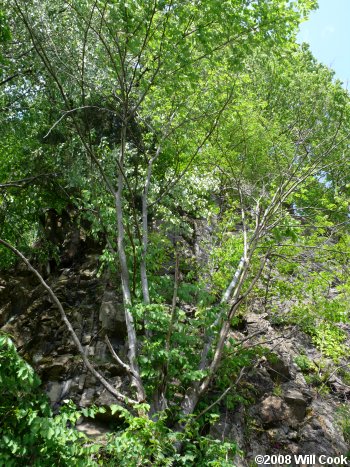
[[68, 112], [24, 181], [222, 395], [115, 356], [333, 373]]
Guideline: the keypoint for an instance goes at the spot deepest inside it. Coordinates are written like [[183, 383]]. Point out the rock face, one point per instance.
[[285, 415], [288, 416], [27, 314]]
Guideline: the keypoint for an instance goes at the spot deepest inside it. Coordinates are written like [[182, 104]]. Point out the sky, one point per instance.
[[328, 33]]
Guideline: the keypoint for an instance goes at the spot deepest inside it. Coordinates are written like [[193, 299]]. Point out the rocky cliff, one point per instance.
[[295, 405]]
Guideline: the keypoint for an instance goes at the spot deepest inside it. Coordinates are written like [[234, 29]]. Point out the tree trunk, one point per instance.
[[124, 272]]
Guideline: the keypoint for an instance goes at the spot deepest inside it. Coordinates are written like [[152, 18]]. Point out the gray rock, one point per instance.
[[88, 397], [112, 315], [86, 339], [57, 368], [5, 313], [273, 411], [54, 391], [93, 429], [279, 369], [81, 382], [297, 403], [261, 380]]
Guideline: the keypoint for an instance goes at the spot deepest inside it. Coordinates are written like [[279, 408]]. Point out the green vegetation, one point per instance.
[[29, 433], [208, 154], [343, 414], [304, 363]]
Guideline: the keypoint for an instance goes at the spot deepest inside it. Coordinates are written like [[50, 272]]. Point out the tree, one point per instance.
[[267, 156]]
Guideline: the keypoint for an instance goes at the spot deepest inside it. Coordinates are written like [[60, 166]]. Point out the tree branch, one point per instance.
[[119, 396], [222, 395], [25, 181]]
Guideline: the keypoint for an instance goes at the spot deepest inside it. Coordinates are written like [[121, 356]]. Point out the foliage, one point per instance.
[[330, 340], [32, 435], [147, 442], [316, 313], [29, 432], [343, 418], [304, 363], [4, 29]]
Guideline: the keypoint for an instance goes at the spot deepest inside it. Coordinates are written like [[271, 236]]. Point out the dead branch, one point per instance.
[[118, 395]]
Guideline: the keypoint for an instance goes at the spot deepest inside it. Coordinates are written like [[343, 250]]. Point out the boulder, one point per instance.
[[273, 410], [297, 402]]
